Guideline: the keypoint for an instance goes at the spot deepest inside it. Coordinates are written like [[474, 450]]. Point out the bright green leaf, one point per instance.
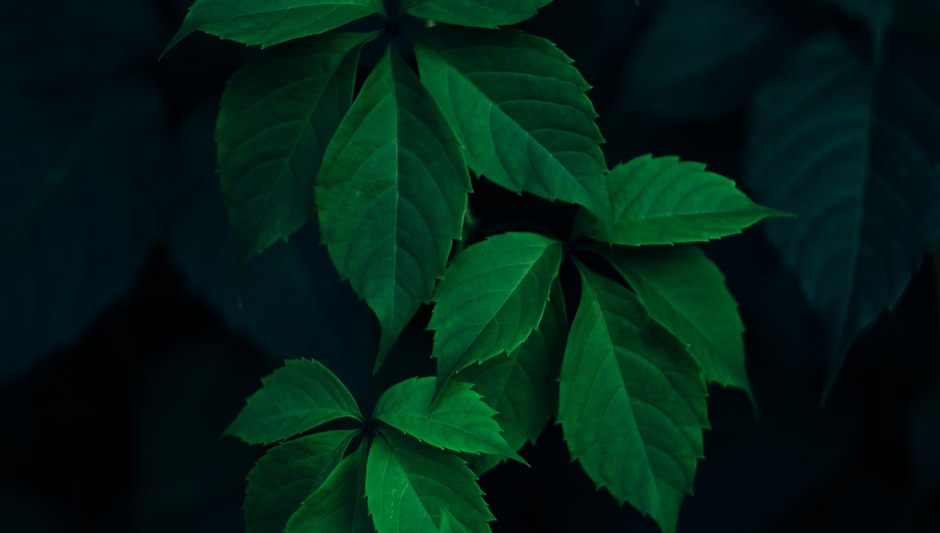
[[491, 298], [632, 401], [391, 195], [277, 115], [479, 13], [661, 200], [270, 22], [683, 290], [409, 485], [519, 107], [286, 476], [458, 419], [297, 397], [331, 508]]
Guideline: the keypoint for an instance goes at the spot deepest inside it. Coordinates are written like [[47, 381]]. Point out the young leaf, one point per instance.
[[269, 22], [287, 475], [632, 401], [458, 419], [391, 195], [661, 200], [409, 486], [853, 150], [684, 291], [479, 13], [297, 397], [331, 508], [277, 115], [491, 298], [519, 107]]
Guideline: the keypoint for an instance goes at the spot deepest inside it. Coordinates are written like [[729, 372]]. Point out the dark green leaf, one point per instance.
[[853, 151], [277, 115], [270, 22], [661, 200], [331, 508], [684, 291], [458, 419], [480, 13], [491, 298], [391, 195], [632, 402], [519, 107], [297, 397], [875, 13], [409, 486], [287, 475]]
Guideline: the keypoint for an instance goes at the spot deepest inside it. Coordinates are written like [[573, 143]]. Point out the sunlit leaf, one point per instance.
[[480, 13]]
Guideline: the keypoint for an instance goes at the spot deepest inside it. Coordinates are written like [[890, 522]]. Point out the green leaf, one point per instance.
[[391, 195], [853, 150], [277, 115], [519, 107], [409, 486], [458, 419], [287, 474], [331, 508], [269, 22], [632, 401], [295, 398], [479, 13], [683, 290], [522, 387], [491, 298], [661, 200]]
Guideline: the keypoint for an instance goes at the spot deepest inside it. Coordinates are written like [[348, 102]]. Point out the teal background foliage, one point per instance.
[[131, 339]]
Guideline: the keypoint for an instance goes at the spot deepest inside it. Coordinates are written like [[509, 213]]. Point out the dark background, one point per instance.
[[124, 351]]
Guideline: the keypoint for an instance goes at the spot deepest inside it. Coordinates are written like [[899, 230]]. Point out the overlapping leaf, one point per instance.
[[852, 150], [287, 475], [479, 13], [299, 396], [391, 195], [491, 298], [409, 486], [661, 200], [519, 107], [277, 115], [270, 22], [331, 508], [684, 291], [458, 419], [632, 401]]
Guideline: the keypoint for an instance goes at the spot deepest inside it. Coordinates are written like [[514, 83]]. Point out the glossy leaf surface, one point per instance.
[[331, 508], [479, 13]]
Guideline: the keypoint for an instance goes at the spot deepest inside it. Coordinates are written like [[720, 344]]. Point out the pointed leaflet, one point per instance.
[[632, 401], [331, 508], [458, 419], [409, 485], [519, 107], [288, 474], [297, 397], [661, 200], [853, 151], [684, 291], [270, 22], [277, 115], [492, 296], [480, 13], [391, 195]]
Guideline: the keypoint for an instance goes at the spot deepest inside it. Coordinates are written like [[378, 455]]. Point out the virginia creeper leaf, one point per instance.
[[270, 22], [853, 151], [632, 401], [479, 13], [458, 419], [391, 195], [287, 474], [683, 290], [277, 115], [518, 105], [331, 508], [297, 397], [409, 485], [491, 298], [661, 200]]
